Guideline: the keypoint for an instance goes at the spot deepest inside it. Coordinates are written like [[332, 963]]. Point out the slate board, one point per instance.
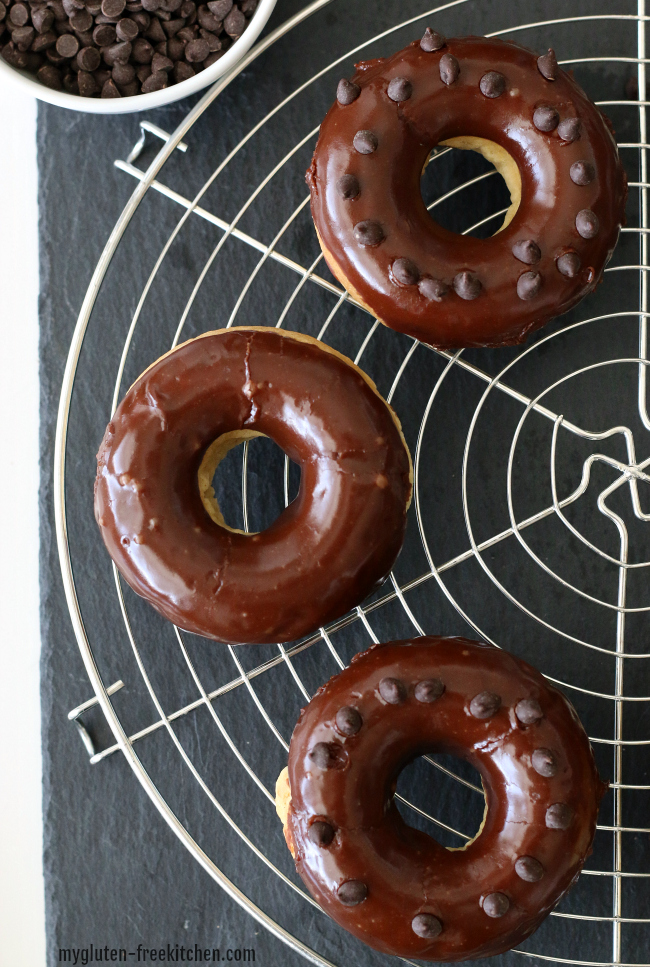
[[115, 873]]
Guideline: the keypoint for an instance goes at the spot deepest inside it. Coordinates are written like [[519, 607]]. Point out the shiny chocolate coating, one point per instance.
[[325, 552], [500, 92], [423, 901]]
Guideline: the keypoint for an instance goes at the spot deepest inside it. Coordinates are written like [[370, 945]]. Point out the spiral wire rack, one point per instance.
[[612, 663]]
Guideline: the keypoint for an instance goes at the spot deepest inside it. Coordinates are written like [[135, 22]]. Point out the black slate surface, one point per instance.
[[115, 873]]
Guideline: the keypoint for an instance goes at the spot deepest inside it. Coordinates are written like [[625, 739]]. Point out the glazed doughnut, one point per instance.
[[394, 887], [533, 122], [163, 527]]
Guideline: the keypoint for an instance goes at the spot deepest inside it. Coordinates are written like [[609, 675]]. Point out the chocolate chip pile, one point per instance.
[[118, 48]]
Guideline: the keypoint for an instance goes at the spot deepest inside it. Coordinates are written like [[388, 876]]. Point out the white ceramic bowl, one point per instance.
[[141, 102]]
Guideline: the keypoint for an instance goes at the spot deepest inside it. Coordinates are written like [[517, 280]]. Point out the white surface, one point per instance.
[[28, 85], [22, 916]]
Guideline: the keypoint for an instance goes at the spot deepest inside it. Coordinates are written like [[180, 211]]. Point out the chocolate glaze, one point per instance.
[[325, 552], [495, 892], [389, 195]]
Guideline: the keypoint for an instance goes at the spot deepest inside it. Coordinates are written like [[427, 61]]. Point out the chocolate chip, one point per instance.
[[527, 251], [196, 51], [404, 272], [485, 705], [400, 89], [365, 142], [546, 118], [449, 69], [467, 285], [427, 926], [182, 72], [348, 720], [559, 816], [368, 233], [429, 691], [208, 20], [67, 45], [23, 37], [433, 289], [529, 285], [161, 63], [110, 90], [348, 186], [492, 84], [212, 40], [569, 264], [582, 173], [42, 18], [528, 711], [88, 59], [529, 869], [347, 91], [570, 129], [323, 754], [142, 51], [321, 833], [352, 892], [220, 8], [587, 223], [496, 904], [3, 10], [123, 74], [81, 21], [113, 8], [104, 35], [547, 65], [544, 763], [88, 86], [44, 42], [393, 691], [127, 30], [431, 40], [19, 15], [235, 23], [50, 76]]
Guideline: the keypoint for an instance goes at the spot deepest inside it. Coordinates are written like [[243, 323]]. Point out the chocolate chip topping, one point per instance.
[[569, 264], [529, 869], [347, 91], [467, 285], [547, 65], [544, 763], [392, 690], [546, 118], [528, 285], [323, 755], [582, 173], [352, 892], [527, 251], [449, 69], [400, 89], [529, 711], [587, 223], [348, 186], [427, 926], [405, 272], [368, 233], [365, 142], [429, 690], [433, 289], [496, 904], [492, 84], [348, 720], [321, 833], [485, 705], [67, 45], [431, 40], [559, 816], [570, 129]]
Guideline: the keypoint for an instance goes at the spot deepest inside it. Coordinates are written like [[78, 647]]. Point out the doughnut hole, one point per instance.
[[470, 158], [220, 481], [443, 797]]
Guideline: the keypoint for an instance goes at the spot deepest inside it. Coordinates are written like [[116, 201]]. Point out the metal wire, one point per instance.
[[400, 592]]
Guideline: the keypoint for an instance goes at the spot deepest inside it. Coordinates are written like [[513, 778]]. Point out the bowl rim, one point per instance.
[[143, 102]]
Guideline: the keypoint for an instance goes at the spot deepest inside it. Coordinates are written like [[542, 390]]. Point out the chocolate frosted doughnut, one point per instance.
[[394, 887], [534, 123], [162, 525]]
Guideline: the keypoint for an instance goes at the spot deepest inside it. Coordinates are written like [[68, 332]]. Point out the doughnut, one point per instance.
[[396, 888], [160, 520], [527, 116]]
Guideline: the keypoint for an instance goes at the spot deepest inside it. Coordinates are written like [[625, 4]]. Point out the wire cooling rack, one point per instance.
[[527, 528]]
